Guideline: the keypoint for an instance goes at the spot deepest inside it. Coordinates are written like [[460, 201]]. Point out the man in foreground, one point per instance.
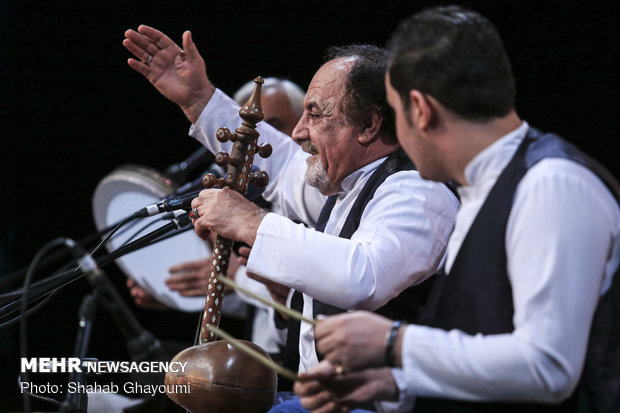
[[529, 308]]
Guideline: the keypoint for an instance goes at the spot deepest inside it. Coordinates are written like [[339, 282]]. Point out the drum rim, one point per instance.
[[150, 180]]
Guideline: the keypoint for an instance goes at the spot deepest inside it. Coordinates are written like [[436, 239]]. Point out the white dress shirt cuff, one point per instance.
[[406, 398], [219, 107]]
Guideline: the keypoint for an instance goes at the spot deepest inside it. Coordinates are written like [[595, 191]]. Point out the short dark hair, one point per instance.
[[457, 56], [365, 86]]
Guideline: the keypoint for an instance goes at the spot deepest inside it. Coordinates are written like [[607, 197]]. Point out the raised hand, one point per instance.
[[322, 390], [178, 74]]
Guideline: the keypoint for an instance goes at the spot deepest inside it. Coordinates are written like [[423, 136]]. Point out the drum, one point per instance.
[[126, 190]]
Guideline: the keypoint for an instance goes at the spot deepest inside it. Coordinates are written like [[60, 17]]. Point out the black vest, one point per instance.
[[404, 306], [407, 304], [458, 302]]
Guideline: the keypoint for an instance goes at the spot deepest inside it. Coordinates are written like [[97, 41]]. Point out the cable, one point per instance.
[[116, 228], [30, 310], [23, 336], [8, 279], [57, 281], [37, 396], [145, 226], [42, 287]]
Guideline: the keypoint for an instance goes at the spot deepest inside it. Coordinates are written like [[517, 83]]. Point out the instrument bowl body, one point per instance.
[[222, 379]]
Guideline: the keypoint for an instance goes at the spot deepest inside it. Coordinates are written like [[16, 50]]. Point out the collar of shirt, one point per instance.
[[351, 187], [481, 174], [352, 180]]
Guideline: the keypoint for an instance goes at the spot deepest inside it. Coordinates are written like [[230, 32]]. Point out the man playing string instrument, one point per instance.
[[387, 228]]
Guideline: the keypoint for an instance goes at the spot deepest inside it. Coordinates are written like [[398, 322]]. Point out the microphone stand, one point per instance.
[[141, 344], [78, 401]]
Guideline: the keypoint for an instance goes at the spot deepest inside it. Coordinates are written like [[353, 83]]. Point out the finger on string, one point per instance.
[[282, 308], [261, 358]]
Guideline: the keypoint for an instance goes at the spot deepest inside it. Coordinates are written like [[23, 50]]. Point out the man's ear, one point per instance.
[[370, 130], [421, 110]]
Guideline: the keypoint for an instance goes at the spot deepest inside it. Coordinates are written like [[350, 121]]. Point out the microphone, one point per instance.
[[178, 172], [168, 205], [196, 184], [184, 201]]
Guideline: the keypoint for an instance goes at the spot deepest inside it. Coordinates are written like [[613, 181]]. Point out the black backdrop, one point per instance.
[[73, 110]]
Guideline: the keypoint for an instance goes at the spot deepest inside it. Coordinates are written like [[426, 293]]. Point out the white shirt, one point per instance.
[[400, 241], [563, 246]]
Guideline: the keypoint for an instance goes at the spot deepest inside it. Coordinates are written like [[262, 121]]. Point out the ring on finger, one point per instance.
[[194, 213]]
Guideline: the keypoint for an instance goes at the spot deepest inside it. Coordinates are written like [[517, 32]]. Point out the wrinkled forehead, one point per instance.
[[328, 82]]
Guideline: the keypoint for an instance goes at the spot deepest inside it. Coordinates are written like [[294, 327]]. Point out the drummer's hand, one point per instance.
[[142, 298], [228, 213], [178, 74], [190, 279], [323, 390]]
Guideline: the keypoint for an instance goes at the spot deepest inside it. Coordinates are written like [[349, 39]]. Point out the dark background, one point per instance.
[[73, 110]]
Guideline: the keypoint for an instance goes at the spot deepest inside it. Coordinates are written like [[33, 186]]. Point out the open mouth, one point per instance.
[[309, 147]]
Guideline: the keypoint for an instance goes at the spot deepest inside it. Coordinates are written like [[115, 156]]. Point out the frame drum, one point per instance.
[[121, 193]]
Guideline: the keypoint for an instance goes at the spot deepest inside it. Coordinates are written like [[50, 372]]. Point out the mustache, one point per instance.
[[308, 146]]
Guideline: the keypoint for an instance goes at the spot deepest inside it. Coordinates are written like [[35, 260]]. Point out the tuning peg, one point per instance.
[[224, 134], [265, 150], [223, 159], [209, 181], [259, 178]]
